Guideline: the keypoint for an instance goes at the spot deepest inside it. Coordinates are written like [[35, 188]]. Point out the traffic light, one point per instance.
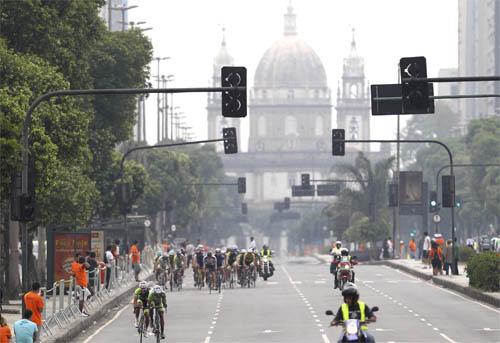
[[433, 202], [287, 203], [123, 198], [305, 180], [27, 203], [415, 95], [338, 142], [458, 202], [230, 141], [448, 188], [244, 208], [234, 102], [393, 195], [242, 185]]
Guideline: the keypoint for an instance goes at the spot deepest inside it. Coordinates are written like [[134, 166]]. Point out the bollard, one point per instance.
[[54, 298], [61, 295]]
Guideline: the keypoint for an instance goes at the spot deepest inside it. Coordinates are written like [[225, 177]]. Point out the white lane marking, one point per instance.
[[297, 282], [325, 338], [272, 283], [109, 322], [207, 339], [429, 324], [448, 291], [436, 329], [379, 329], [447, 338], [319, 282]]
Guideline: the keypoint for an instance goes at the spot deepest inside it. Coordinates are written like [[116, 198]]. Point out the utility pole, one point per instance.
[[158, 135]]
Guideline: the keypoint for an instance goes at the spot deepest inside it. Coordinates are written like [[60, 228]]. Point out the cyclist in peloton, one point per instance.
[[179, 261], [157, 301], [221, 258], [210, 265], [198, 264], [141, 295]]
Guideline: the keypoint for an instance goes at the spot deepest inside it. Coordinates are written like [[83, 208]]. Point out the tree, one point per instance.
[[363, 230]]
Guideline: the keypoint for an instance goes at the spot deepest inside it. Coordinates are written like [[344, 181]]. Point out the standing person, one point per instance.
[[454, 267], [34, 302], [436, 259], [81, 284], [402, 252], [419, 247], [136, 260], [5, 333], [25, 330], [385, 249], [109, 259], [448, 261], [425, 249], [412, 248], [390, 246], [252, 245], [93, 271]]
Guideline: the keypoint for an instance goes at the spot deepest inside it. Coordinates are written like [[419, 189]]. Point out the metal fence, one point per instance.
[[61, 303]]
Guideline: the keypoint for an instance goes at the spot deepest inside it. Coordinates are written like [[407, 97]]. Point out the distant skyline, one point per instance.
[[190, 33]]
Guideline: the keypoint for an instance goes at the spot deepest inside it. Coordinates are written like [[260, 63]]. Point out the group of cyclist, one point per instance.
[[150, 299]]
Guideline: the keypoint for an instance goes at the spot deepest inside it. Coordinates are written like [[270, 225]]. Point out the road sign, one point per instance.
[[436, 218], [147, 223], [328, 189], [415, 95], [393, 106], [299, 191]]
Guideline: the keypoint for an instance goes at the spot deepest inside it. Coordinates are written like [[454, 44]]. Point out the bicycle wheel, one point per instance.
[[140, 329]]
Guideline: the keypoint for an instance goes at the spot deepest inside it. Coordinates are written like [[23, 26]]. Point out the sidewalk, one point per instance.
[[458, 283]]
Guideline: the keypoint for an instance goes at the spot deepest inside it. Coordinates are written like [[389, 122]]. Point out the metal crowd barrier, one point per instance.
[[61, 304]]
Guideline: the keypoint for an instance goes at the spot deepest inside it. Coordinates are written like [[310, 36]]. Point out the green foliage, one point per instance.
[[365, 231], [483, 271], [465, 253]]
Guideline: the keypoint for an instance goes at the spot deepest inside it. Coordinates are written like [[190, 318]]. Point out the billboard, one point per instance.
[[65, 247], [97, 244], [410, 188]]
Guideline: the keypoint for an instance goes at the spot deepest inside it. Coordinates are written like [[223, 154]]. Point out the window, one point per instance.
[[291, 126]]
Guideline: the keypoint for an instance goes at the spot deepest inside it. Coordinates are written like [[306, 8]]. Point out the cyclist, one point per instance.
[[156, 264], [162, 264], [221, 260], [198, 265], [240, 263], [179, 262], [141, 302], [249, 261], [189, 253], [210, 267], [157, 301]]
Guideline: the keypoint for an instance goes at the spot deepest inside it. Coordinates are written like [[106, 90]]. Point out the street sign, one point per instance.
[[415, 95], [328, 189], [436, 218], [299, 191], [393, 106], [147, 223]]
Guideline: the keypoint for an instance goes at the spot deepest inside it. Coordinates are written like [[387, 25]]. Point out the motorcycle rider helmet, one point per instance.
[[157, 289], [143, 284], [350, 289], [344, 252], [338, 244], [264, 247]]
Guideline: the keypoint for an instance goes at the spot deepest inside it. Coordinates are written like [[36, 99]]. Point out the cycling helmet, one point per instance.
[[350, 289], [143, 284], [171, 252], [224, 250], [165, 254], [217, 250], [179, 252], [209, 253], [243, 251], [344, 252], [157, 289], [199, 246]]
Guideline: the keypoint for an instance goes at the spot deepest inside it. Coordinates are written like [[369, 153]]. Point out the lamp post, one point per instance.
[[165, 80], [172, 108], [158, 59], [123, 9]]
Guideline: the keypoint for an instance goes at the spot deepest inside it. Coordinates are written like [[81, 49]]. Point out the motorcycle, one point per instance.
[[352, 332], [266, 268], [344, 274]]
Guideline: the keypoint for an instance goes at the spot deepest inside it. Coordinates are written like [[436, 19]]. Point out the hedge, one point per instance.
[[483, 271]]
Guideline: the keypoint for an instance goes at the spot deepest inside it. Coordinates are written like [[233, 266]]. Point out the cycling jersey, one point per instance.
[[210, 263], [231, 258], [163, 262], [199, 259], [142, 295], [248, 258], [157, 301], [220, 260], [178, 261]]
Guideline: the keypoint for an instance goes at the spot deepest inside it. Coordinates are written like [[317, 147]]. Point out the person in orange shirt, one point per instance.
[[5, 333], [80, 274], [136, 260], [412, 247], [34, 302]]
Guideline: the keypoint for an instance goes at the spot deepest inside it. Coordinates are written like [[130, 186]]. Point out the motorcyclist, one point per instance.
[[265, 251], [335, 253], [346, 258], [352, 308]]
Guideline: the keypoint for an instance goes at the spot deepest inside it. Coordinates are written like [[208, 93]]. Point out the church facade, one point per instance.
[[290, 114]]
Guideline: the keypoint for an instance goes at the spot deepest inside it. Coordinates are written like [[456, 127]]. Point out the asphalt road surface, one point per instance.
[[290, 307]]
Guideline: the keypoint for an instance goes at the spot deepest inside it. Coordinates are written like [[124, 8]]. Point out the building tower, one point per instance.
[[214, 115], [353, 100]]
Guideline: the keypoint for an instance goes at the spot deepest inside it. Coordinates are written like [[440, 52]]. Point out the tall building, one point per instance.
[[214, 109], [353, 100], [479, 55], [115, 15], [448, 88]]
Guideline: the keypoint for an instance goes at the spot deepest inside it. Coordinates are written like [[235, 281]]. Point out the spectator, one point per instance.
[[136, 260], [436, 259], [34, 302], [25, 330], [81, 284], [448, 261], [390, 246], [117, 244], [253, 244], [454, 267], [5, 333], [412, 248], [93, 272], [74, 264], [425, 249], [402, 249], [419, 247], [109, 260]]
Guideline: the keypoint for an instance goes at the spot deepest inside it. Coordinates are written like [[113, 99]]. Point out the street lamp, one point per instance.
[[123, 9], [158, 59]]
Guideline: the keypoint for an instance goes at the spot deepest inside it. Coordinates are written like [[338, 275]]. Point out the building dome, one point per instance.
[[290, 62]]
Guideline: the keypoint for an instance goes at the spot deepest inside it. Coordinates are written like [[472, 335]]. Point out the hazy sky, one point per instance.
[[190, 32]]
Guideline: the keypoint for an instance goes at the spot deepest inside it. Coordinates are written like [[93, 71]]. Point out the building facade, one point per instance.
[[479, 55]]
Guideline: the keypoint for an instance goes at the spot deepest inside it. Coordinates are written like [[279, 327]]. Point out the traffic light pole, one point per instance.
[[75, 92], [412, 141]]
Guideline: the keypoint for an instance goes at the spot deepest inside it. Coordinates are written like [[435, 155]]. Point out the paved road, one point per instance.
[[290, 308]]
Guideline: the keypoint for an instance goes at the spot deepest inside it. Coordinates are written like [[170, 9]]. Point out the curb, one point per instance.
[[468, 291], [81, 325]]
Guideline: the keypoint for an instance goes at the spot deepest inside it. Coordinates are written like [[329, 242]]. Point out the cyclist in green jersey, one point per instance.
[[157, 301]]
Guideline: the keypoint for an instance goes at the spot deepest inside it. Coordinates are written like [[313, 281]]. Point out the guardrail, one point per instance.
[[61, 303]]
